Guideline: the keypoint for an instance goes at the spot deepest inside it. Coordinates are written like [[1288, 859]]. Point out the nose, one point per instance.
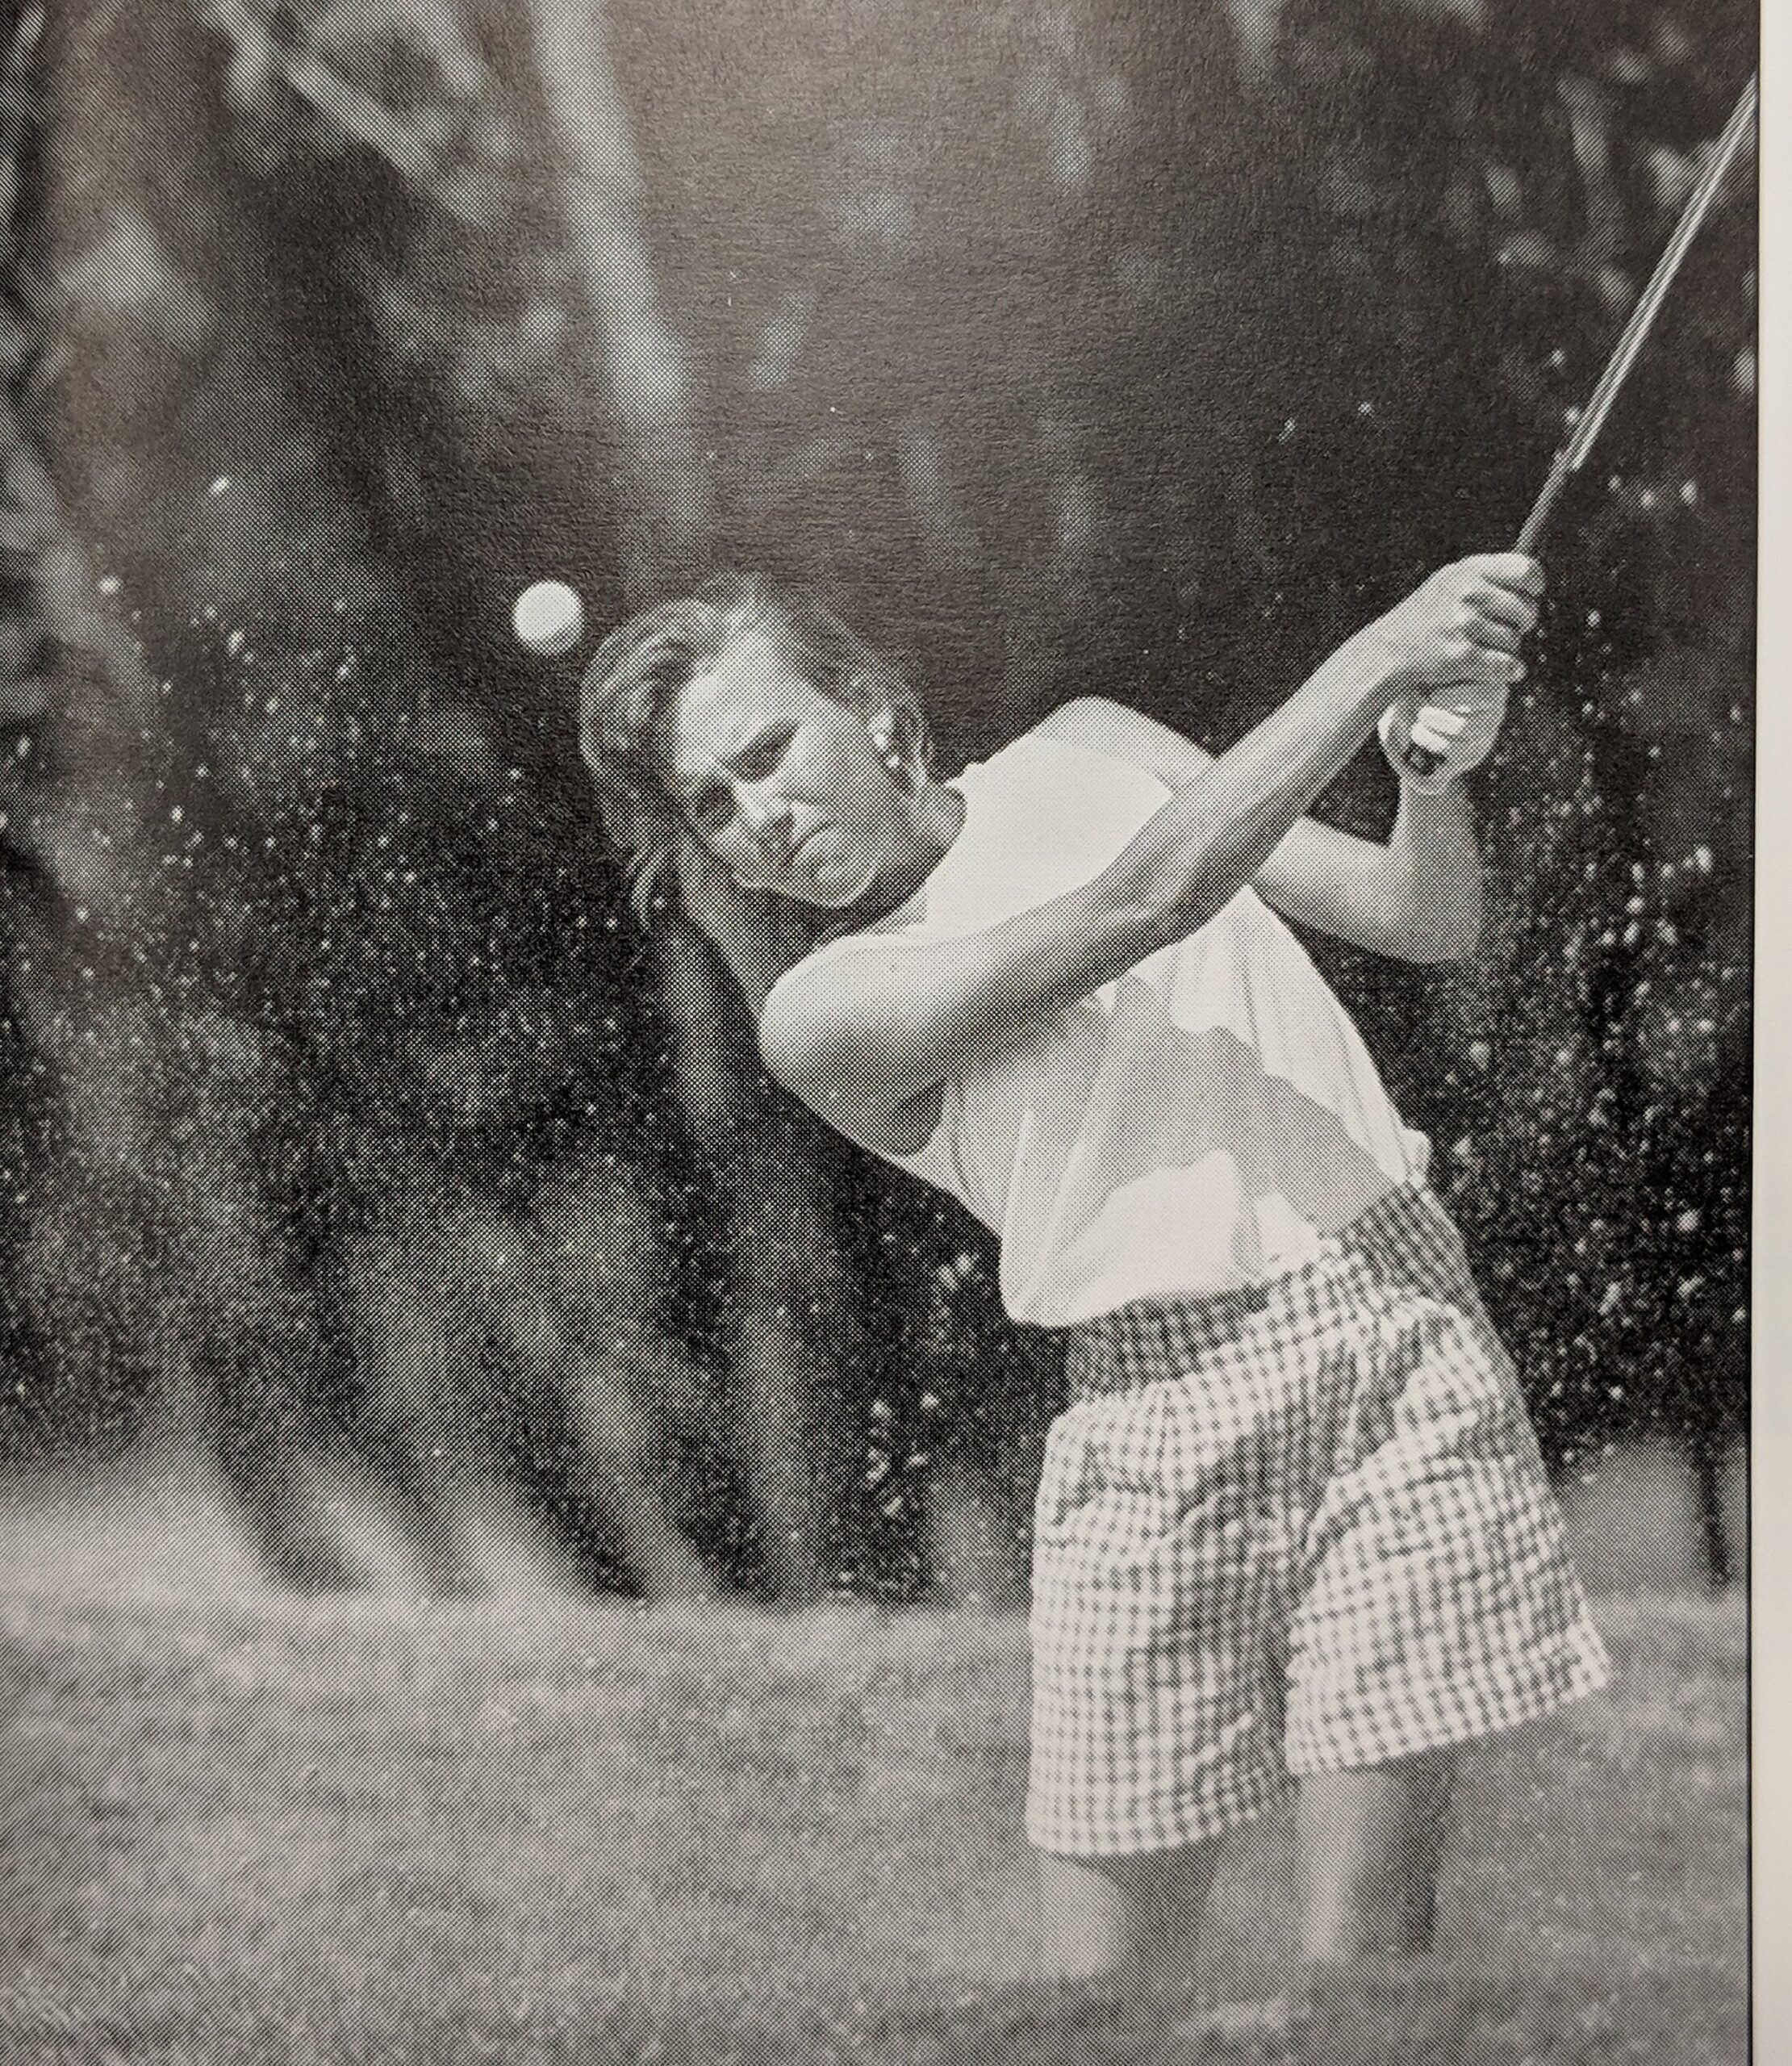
[[761, 808]]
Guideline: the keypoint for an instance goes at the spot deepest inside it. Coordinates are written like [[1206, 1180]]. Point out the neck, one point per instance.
[[936, 819]]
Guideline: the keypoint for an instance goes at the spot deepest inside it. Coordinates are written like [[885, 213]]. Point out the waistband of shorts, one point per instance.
[[1407, 1232]]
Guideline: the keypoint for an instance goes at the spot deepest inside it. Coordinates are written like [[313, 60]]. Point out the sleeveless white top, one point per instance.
[[1209, 1121]]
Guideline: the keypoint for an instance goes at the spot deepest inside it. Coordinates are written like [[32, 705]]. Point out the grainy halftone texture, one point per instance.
[[353, 1140]]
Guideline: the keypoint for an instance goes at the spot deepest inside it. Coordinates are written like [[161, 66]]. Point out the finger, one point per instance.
[[1432, 741], [1503, 606], [1434, 717], [1473, 661], [1489, 634], [1489, 669], [1516, 571]]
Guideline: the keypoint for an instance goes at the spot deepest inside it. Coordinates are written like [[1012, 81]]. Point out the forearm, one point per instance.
[[1433, 868], [1229, 816]]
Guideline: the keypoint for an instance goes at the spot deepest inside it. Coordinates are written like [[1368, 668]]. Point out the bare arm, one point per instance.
[[1417, 897], [866, 1036]]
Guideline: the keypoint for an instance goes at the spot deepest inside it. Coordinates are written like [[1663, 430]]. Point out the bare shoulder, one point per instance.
[[814, 1015], [1090, 721], [1100, 725], [806, 1042]]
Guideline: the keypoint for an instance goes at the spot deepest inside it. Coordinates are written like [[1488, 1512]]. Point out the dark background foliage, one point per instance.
[[1139, 351]]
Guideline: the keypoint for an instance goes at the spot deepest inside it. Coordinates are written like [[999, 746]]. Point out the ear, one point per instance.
[[886, 729]]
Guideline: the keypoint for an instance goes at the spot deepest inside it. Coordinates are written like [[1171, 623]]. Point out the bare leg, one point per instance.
[[1128, 1920], [1368, 1843]]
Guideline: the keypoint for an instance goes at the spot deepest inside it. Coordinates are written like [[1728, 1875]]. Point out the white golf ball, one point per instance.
[[549, 618]]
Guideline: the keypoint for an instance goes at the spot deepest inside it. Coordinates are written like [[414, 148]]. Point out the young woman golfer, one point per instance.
[[1293, 1523]]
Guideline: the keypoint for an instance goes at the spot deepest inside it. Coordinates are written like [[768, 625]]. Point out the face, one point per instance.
[[782, 785]]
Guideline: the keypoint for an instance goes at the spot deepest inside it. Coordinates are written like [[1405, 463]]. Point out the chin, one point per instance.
[[813, 898], [863, 883], [866, 894]]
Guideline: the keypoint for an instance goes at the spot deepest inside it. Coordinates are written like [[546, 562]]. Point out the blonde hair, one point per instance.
[[638, 672]]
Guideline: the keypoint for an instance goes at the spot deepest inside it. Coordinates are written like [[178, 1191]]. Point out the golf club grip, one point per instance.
[[1421, 759]]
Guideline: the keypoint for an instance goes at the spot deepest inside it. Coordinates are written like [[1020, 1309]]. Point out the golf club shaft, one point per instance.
[[1572, 456]]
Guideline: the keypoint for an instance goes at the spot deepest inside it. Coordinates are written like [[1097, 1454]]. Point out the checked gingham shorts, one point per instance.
[[1295, 1529]]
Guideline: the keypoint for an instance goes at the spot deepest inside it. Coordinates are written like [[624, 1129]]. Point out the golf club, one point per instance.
[[1573, 455]]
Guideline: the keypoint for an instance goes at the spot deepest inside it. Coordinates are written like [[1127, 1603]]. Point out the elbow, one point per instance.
[[1155, 896], [791, 1055], [1156, 908], [1449, 924]]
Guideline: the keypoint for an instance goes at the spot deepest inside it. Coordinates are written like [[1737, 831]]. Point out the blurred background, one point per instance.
[[357, 1148]]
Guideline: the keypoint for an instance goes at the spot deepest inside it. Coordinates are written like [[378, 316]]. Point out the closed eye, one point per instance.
[[708, 809], [756, 761]]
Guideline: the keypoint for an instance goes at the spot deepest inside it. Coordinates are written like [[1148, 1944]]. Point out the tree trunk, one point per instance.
[[664, 526], [791, 1300]]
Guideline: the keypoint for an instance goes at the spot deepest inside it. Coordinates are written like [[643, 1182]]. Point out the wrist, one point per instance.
[[1425, 794], [1364, 666]]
